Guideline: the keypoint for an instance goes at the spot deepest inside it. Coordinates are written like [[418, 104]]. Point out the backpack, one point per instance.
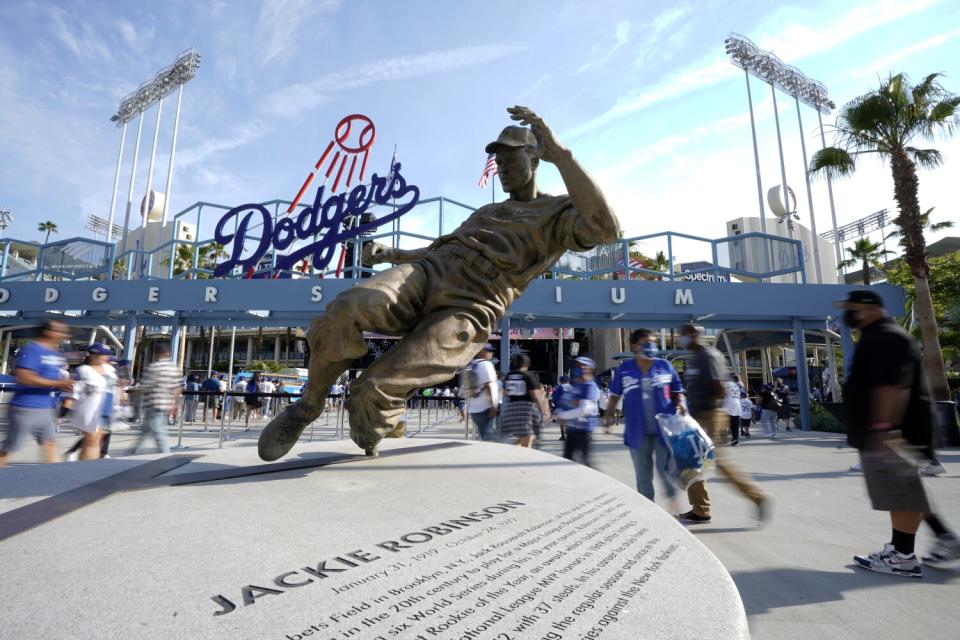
[[470, 381]]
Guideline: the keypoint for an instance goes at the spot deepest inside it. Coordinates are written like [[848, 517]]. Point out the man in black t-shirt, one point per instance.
[[889, 420]]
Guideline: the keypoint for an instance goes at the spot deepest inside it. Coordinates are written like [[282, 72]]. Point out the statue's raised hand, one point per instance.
[[375, 253], [550, 148]]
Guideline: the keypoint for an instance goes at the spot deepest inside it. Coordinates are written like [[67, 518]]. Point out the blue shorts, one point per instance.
[[23, 421]]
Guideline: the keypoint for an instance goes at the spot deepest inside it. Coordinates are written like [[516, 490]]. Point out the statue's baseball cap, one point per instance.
[[513, 136], [859, 296]]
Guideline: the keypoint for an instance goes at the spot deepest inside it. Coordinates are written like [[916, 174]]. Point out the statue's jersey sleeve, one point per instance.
[[524, 239]]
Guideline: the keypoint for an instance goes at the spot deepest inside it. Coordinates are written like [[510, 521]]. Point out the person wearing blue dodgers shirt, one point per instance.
[[648, 385], [582, 419], [31, 411]]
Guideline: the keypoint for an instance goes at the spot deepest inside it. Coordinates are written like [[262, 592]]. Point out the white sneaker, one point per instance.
[[106, 456], [71, 457], [945, 553], [889, 560], [933, 469], [857, 467]]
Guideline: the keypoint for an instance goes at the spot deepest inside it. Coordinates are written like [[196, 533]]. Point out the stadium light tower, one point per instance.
[[770, 69], [5, 219], [133, 106]]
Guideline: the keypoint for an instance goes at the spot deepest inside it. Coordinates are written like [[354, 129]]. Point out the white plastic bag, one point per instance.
[[691, 450]]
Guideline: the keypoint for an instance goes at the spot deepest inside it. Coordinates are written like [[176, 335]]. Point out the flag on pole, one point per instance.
[[489, 170], [393, 161]]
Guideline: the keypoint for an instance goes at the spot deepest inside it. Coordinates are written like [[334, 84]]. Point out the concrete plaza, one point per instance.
[[795, 576]]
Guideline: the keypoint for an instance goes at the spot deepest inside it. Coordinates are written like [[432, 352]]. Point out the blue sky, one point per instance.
[[642, 93]]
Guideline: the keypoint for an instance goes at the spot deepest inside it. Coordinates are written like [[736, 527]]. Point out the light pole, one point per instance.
[[165, 82], [769, 68], [5, 219]]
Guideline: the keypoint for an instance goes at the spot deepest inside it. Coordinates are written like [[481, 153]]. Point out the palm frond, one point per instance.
[[928, 90], [832, 162], [846, 264], [940, 226], [925, 158]]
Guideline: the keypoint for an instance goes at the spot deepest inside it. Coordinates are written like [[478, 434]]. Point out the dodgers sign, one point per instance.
[[323, 220]]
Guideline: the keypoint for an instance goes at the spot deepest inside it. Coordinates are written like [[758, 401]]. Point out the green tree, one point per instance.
[[888, 122], [48, 227], [207, 257], [944, 291], [864, 254]]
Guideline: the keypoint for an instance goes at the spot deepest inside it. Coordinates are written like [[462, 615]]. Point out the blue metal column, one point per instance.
[[129, 338], [175, 342], [803, 375], [505, 345], [846, 343]]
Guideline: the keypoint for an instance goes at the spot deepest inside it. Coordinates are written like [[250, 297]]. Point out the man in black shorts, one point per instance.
[[889, 420]]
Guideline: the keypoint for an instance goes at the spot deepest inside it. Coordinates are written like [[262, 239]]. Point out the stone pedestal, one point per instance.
[[433, 540]]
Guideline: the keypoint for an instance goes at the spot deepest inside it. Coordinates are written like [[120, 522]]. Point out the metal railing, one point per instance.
[[751, 255]]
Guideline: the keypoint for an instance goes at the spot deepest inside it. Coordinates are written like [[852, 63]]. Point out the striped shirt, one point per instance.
[[161, 379]]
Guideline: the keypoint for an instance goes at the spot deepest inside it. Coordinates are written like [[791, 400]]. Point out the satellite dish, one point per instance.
[[777, 204], [151, 207]]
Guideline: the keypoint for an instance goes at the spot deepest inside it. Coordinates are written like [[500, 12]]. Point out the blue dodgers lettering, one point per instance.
[[323, 219]]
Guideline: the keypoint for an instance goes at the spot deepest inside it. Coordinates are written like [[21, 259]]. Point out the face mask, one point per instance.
[[650, 350], [850, 318], [683, 341]]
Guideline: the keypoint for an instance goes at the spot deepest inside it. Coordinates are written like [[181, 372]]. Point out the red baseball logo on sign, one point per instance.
[[354, 135]]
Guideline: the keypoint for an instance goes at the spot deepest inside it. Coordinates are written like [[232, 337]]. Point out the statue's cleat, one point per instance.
[[373, 452], [399, 431], [282, 433]]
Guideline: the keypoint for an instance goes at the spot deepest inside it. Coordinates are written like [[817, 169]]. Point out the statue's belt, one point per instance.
[[470, 257]]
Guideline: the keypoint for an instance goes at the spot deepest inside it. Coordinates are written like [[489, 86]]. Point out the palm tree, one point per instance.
[[48, 227], [866, 254], [925, 224], [660, 263], [212, 253], [888, 122]]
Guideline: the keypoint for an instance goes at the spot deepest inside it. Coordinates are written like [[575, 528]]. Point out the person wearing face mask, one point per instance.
[[648, 385], [706, 376], [890, 421]]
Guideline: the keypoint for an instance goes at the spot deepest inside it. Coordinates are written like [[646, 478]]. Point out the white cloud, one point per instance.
[[80, 39], [279, 22], [244, 134], [127, 32], [298, 98], [663, 35], [793, 41], [883, 65], [603, 52]]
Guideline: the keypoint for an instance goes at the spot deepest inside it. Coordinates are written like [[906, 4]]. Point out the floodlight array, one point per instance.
[[768, 67], [859, 228], [163, 84]]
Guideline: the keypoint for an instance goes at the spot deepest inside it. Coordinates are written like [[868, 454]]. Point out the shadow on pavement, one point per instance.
[[777, 588]]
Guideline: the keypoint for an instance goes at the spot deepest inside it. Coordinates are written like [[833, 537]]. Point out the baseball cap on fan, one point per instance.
[[859, 296], [99, 349], [512, 136], [586, 363]]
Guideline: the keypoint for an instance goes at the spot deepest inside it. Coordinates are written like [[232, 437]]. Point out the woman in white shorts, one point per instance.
[[90, 391]]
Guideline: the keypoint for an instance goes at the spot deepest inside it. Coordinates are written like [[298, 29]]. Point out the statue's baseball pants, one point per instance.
[[443, 306]]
